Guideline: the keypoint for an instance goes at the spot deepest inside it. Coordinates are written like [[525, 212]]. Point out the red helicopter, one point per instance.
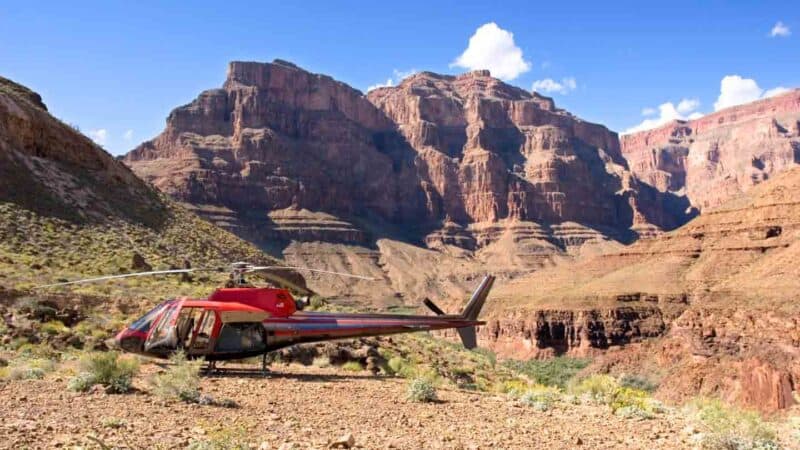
[[242, 321]]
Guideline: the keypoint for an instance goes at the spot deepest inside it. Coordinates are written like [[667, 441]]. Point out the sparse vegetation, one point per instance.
[[421, 389], [229, 438], [550, 372], [727, 427], [352, 366], [108, 369], [637, 382], [541, 398], [181, 381]]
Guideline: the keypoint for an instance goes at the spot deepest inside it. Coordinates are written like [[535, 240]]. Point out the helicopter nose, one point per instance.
[[129, 340]]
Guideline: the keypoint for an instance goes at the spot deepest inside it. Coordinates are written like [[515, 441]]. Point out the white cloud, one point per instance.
[[396, 78], [493, 48], [127, 135], [667, 112], [99, 136], [780, 30], [735, 90], [688, 105], [549, 85], [775, 91]]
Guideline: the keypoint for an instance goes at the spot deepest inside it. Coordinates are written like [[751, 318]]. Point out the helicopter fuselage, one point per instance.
[[235, 323]]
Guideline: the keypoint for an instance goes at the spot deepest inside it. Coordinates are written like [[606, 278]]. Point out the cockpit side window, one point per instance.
[[146, 321]]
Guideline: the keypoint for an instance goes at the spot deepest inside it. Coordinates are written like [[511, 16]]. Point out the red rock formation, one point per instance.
[[715, 157], [48, 167], [491, 151], [725, 286], [437, 149]]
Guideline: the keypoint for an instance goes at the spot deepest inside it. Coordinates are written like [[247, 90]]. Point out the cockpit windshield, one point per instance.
[[146, 321]]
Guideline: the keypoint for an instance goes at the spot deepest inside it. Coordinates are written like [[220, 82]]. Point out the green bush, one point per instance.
[[108, 369], [637, 382], [400, 367], [352, 366], [727, 427], [421, 389], [541, 398], [181, 381], [598, 388], [549, 372]]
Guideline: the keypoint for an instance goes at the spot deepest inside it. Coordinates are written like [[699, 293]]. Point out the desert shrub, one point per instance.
[[637, 382], [108, 369], [490, 356], [114, 422], [541, 398], [400, 367], [513, 387], [727, 427], [421, 389], [222, 439], [321, 361], [53, 328], [598, 388], [550, 372], [352, 366], [181, 381], [28, 369]]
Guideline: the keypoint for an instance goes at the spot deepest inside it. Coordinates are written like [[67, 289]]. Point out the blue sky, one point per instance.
[[122, 66]]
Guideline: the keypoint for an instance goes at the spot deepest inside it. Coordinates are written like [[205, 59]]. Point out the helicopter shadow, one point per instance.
[[272, 374]]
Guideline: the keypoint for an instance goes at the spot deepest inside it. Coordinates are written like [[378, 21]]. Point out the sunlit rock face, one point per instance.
[[434, 150], [720, 155]]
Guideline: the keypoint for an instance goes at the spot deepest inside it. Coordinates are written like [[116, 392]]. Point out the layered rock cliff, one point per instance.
[[456, 163], [720, 155], [725, 286]]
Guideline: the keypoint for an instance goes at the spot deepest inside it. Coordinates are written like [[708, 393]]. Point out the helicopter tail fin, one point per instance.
[[478, 298], [472, 310]]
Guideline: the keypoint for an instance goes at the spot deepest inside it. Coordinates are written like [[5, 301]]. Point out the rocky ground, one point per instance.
[[309, 407]]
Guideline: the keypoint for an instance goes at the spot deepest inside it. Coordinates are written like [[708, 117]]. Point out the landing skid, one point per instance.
[[211, 369]]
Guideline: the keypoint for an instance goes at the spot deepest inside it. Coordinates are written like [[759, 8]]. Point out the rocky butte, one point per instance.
[[719, 155], [466, 164]]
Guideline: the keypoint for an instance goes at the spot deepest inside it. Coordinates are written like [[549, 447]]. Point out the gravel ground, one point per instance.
[[307, 407]]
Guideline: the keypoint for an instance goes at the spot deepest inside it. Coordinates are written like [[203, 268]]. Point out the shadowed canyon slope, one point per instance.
[[463, 164], [715, 157], [722, 290], [69, 210]]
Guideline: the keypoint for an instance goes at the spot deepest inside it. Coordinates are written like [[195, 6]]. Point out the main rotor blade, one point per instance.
[[348, 275], [113, 277]]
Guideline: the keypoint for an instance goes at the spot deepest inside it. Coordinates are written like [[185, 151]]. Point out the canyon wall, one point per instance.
[[721, 291], [436, 149], [720, 155]]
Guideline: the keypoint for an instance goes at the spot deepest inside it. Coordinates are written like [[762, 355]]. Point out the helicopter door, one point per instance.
[[202, 334]]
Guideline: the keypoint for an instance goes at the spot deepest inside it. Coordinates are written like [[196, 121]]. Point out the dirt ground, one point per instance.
[[307, 407]]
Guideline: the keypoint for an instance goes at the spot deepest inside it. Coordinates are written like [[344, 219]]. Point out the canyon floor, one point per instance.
[[308, 407]]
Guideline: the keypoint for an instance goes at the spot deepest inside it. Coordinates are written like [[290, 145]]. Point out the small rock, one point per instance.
[[346, 441], [578, 441]]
